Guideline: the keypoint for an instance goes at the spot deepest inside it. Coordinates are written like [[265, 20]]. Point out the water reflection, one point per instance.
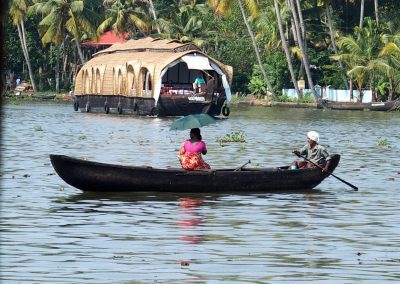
[[190, 220]]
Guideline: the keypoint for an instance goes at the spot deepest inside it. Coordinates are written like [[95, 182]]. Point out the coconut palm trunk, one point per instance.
[[285, 48], [253, 40], [302, 39], [153, 12], [304, 53], [79, 49], [361, 14], [302, 26], [351, 90], [376, 11], [22, 38], [333, 42], [57, 69]]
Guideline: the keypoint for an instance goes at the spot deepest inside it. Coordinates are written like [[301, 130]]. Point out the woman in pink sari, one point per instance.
[[191, 150]]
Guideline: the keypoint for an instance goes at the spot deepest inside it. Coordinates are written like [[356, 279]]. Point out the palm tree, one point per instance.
[[256, 49], [125, 16], [184, 23], [285, 47], [223, 7], [360, 54], [303, 49], [391, 52], [328, 12], [62, 16], [18, 9], [153, 12]]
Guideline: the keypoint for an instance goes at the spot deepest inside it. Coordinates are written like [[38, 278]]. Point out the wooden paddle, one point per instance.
[[329, 173], [241, 167]]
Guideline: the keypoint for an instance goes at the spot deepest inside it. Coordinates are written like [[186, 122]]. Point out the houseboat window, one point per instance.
[[98, 82], [145, 78], [131, 81], [114, 84], [87, 82], [119, 86], [83, 85], [147, 85]]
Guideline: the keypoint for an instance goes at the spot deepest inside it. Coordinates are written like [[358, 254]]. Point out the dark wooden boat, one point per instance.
[[374, 106], [94, 176], [43, 97], [384, 106]]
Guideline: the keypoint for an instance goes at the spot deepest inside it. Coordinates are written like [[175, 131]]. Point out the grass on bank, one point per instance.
[[24, 97], [237, 98]]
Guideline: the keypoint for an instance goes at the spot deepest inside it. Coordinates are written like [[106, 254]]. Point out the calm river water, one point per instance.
[[54, 233]]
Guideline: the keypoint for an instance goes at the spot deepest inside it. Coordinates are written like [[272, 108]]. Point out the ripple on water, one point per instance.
[[53, 233]]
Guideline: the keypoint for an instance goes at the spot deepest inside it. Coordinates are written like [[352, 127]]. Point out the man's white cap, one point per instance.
[[313, 135]]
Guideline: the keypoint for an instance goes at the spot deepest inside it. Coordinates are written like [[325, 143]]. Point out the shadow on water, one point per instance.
[[171, 196]]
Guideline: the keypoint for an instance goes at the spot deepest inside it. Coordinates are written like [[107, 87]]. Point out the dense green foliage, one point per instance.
[[370, 54]]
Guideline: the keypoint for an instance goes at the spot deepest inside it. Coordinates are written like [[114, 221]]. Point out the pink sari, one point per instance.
[[190, 156]]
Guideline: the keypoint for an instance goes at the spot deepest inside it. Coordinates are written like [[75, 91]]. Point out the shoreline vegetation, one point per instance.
[[238, 99], [39, 97]]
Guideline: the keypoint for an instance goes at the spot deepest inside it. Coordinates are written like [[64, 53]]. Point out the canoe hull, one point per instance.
[[44, 97], [375, 106], [94, 176]]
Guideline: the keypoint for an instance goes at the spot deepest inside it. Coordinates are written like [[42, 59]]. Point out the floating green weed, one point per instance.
[[37, 128], [234, 136], [383, 143]]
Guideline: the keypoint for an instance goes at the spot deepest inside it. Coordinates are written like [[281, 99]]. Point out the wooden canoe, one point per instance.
[[43, 97], [95, 176], [374, 106]]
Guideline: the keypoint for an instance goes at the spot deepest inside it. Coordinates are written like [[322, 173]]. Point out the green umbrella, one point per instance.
[[192, 121]]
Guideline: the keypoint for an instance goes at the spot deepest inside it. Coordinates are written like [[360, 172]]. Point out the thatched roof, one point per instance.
[[149, 44], [99, 75]]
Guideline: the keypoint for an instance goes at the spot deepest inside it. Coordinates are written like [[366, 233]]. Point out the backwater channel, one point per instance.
[[54, 233]]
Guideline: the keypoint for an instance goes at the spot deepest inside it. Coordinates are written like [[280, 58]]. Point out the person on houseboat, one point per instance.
[[313, 152], [190, 153], [199, 83]]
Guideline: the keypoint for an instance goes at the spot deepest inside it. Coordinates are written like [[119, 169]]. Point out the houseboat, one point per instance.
[[153, 77]]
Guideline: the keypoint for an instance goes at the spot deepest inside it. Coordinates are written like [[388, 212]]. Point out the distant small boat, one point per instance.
[[374, 106], [94, 176], [43, 97]]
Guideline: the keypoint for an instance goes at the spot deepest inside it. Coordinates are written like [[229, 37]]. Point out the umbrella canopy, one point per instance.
[[192, 121]]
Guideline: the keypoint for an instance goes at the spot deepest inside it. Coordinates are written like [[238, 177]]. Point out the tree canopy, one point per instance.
[[270, 43]]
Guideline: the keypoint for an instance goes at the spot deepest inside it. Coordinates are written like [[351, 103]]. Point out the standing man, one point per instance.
[[199, 83]]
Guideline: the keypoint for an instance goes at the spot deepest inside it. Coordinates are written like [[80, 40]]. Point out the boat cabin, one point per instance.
[[153, 77]]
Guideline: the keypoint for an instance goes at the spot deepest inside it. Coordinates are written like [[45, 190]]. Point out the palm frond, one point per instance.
[[104, 26], [390, 49]]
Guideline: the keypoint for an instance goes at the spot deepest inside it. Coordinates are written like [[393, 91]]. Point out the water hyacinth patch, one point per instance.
[[234, 136], [383, 143]]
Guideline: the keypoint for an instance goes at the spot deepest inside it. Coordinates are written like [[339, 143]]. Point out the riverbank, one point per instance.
[[252, 100], [42, 97], [65, 98]]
